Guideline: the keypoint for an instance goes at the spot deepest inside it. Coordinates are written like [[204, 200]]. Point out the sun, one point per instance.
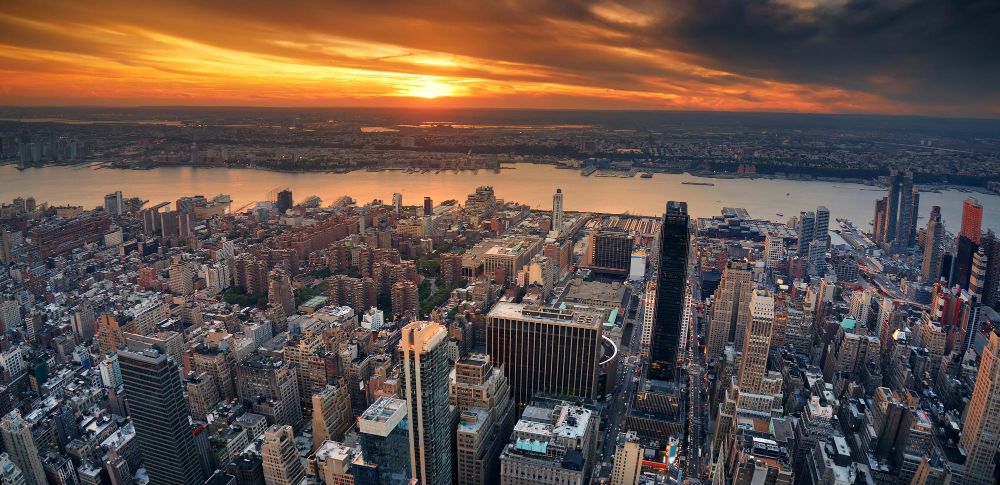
[[429, 89]]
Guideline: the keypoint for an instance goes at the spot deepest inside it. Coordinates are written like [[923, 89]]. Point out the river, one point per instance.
[[527, 183]]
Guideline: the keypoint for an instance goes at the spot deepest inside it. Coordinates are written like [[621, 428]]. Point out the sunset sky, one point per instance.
[[929, 57]]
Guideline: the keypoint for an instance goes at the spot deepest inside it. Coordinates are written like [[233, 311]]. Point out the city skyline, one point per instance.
[[820, 56]]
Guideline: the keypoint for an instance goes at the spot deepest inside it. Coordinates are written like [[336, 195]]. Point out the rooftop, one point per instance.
[[560, 316]]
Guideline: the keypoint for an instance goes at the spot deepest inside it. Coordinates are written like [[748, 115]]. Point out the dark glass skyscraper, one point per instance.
[[160, 414], [671, 280]]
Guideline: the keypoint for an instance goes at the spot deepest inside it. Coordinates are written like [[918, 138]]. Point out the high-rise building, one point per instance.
[[160, 416], [977, 278], [901, 213], [272, 379], [972, 219], [424, 349], [279, 290], [428, 206], [111, 374], [404, 298], [757, 343], [729, 313], [481, 393], [181, 278], [628, 460], [202, 394], [545, 349], [981, 433], [557, 212], [385, 447], [806, 228], [331, 414], [451, 268], [964, 254], [879, 223], [114, 203], [905, 220], [930, 271], [10, 474], [6, 255], [397, 204], [284, 201], [812, 228], [610, 251], [672, 278], [20, 446], [991, 285], [282, 465], [10, 315]]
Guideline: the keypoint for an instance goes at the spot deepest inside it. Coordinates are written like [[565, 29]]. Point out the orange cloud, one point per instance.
[[603, 55]]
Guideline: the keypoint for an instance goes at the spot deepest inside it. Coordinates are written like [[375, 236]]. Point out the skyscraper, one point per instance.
[[901, 211], [557, 212], [545, 349], [933, 248], [879, 223], [282, 465], [991, 286], [908, 200], [114, 203], [965, 252], [424, 348], [160, 415], [981, 433], [977, 276], [972, 219], [397, 204], [892, 209], [729, 308], [806, 227], [383, 433], [428, 206], [20, 446], [671, 283], [756, 343], [284, 201]]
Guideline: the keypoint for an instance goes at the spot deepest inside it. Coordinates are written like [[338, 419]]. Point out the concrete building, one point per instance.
[[550, 445], [331, 463], [111, 373], [628, 460], [181, 278], [331, 414], [730, 313], [981, 433], [10, 474], [273, 379], [20, 447], [481, 394], [557, 212], [282, 465]]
